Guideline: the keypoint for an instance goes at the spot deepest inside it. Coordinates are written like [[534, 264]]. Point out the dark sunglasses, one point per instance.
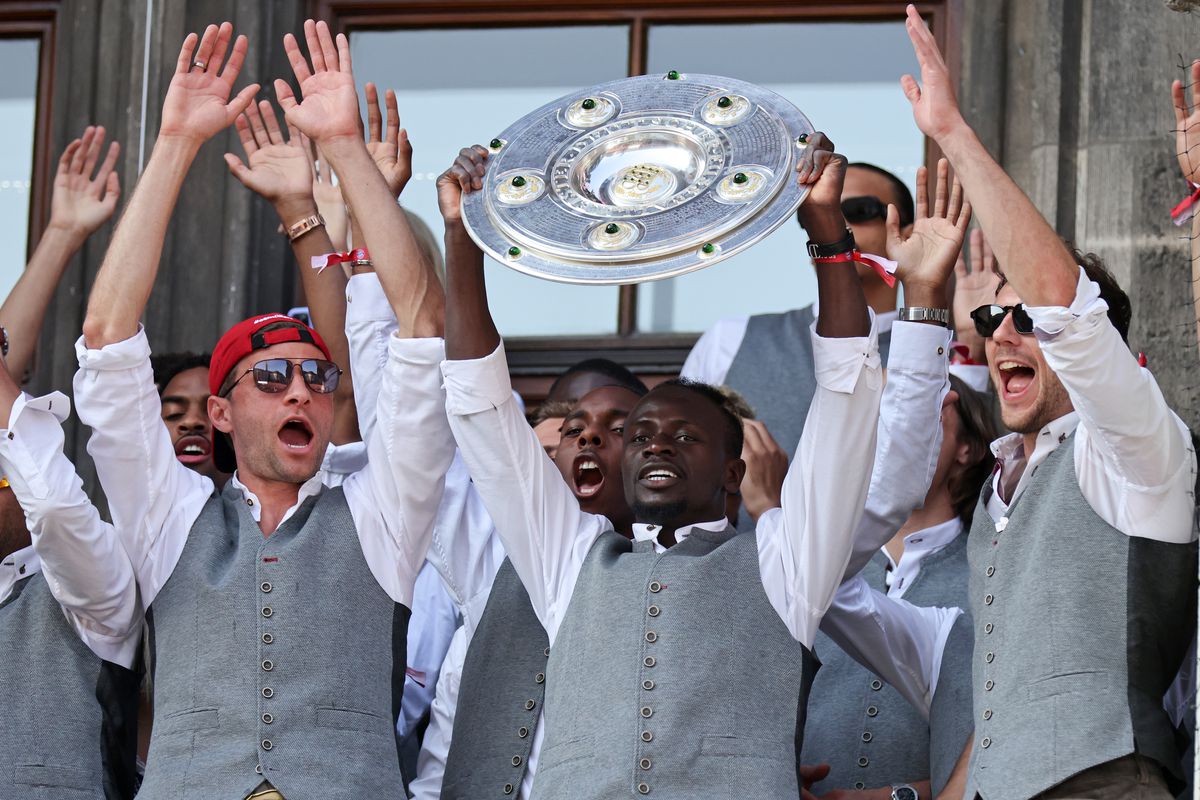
[[988, 318], [275, 375], [863, 209]]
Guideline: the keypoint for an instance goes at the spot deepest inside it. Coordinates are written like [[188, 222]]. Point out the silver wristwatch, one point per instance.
[[902, 791], [919, 314]]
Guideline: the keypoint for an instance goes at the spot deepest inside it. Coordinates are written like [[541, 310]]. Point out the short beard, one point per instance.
[[1052, 396], [658, 513]]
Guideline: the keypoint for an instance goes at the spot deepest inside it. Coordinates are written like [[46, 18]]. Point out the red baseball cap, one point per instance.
[[240, 341]]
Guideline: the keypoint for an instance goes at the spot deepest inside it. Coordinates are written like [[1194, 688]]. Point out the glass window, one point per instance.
[[18, 109], [845, 77], [462, 86]]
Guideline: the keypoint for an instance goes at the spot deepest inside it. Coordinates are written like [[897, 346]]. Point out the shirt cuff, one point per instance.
[[417, 352], [917, 347], [839, 361], [1050, 321], [125, 354], [55, 403], [478, 384], [365, 300]]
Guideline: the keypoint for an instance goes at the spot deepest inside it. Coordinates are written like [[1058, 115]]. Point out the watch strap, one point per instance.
[[843, 245], [921, 314]]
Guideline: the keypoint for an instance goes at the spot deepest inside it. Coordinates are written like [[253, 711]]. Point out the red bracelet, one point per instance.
[[355, 258], [883, 267], [1187, 208]]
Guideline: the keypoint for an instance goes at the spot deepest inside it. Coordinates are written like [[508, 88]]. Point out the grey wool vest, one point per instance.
[[277, 658], [863, 728], [69, 718], [775, 372], [673, 676], [500, 696], [1079, 631]]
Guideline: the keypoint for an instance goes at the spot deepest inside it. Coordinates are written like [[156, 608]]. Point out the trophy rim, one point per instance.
[[733, 234]]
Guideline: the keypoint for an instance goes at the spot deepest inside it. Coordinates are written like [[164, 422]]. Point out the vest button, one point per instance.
[[643, 788], [987, 599], [522, 732], [516, 761], [508, 788], [863, 761], [987, 713], [648, 661], [266, 744], [539, 678], [647, 685], [876, 685], [647, 712], [267, 638], [267, 612], [655, 587], [866, 737], [546, 652], [267, 666], [990, 657], [988, 628], [267, 719], [266, 587], [859, 785], [258, 769], [268, 692], [644, 763], [530, 705], [872, 711], [986, 743], [987, 686], [647, 736], [990, 571], [653, 611], [651, 637]]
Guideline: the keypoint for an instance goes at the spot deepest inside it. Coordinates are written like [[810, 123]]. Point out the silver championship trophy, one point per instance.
[[639, 179]]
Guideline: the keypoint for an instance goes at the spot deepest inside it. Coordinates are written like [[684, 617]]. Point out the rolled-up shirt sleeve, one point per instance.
[[805, 545], [83, 562]]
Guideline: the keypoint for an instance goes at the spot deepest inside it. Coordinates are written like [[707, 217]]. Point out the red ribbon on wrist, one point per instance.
[[319, 263], [1186, 208], [884, 267]]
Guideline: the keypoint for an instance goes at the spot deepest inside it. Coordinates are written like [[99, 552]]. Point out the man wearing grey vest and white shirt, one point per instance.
[[646, 689], [278, 608], [1082, 552]]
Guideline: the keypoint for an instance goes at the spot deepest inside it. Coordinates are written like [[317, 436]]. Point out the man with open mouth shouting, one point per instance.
[[261, 686], [679, 662]]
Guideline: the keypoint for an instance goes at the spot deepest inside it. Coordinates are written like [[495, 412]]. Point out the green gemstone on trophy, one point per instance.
[[708, 248], [612, 228], [724, 102], [588, 104], [673, 75], [740, 177], [495, 144], [802, 138], [514, 251], [518, 181]]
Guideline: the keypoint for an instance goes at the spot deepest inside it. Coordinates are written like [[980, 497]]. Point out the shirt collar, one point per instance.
[[1010, 449], [310, 487], [642, 532], [17, 567], [934, 537]]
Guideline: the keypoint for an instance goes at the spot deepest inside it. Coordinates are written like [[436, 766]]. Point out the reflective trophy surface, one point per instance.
[[639, 179]]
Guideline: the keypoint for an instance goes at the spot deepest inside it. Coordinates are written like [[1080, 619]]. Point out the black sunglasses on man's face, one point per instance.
[[989, 318], [857, 210]]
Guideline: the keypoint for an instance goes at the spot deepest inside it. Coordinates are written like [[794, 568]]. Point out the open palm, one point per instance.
[[1187, 125], [329, 108], [927, 256], [197, 106]]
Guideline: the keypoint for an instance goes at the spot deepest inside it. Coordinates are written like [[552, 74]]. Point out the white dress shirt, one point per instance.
[[79, 554], [431, 763], [154, 499], [918, 546], [1133, 455]]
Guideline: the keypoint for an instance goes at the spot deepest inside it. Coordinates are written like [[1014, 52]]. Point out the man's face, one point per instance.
[[185, 412], [279, 436], [1031, 395], [871, 235], [675, 467], [589, 452]]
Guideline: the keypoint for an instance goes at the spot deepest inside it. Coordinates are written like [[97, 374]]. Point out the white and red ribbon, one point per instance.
[[319, 263], [885, 267], [1187, 207]]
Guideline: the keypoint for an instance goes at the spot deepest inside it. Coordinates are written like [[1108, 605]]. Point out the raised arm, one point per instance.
[[79, 205], [1187, 147]]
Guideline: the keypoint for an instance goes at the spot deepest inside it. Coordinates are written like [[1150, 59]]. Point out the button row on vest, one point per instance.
[[987, 686], [266, 744], [651, 637], [266, 587], [644, 763], [516, 761], [649, 661], [990, 657], [988, 628], [267, 666], [655, 587], [866, 737], [258, 769], [267, 719], [643, 788], [647, 712], [530, 705], [647, 685], [653, 611], [539, 678], [876, 685], [546, 652], [872, 711], [987, 599], [267, 638], [508, 788], [990, 571], [522, 732], [859, 785], [268, 692], [647, 736], [863, 761], [986, 743], [266, 612], [987, 713]]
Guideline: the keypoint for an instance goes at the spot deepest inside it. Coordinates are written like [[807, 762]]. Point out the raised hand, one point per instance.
[[1187, 126], [464, 175], [198, 105], [329, 110], [277, 168], [824, 171], [328, 195], [935, 108], [978, 286], [81, 203], [766, 467], [392, 152], [926, 257]]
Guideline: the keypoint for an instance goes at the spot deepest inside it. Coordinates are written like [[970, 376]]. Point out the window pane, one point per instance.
[[845, 77], [460, 87], [18, 106]]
